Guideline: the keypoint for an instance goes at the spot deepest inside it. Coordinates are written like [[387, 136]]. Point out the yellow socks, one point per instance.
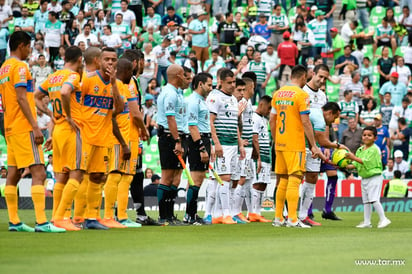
[[80, 199], [39, 198], [57, 196], [110, 194], [68, 195], [93, 200], [12, 201], [292, 196], [280, 197], [123, 196]]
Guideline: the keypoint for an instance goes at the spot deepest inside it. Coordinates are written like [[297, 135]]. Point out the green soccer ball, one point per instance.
[[338, 158]]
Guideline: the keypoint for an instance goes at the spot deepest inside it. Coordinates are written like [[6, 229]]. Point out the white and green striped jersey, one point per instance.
[[319, 30], [260, 127], [265, 7], [349, 109], [260, 69], [380, 30], [225, 107], [247, 122], [280, 21]]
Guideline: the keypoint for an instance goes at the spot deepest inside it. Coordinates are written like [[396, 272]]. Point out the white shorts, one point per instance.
[[371, 189], [263, 176], [244, 167], [226, 164], [312, 165]]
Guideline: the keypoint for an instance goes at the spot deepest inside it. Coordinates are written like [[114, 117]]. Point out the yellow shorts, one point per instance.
[[96, 158], [290, 162], [22, 150], [67, 149], [118, 164]]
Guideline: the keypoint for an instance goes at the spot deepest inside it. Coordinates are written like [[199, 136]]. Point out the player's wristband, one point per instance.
[[177, 140], [337, 145], [202, 149]]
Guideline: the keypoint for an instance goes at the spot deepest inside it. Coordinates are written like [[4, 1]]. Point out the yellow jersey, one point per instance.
[[134, 130], [52, 87], [288, 103], [96, 109], [123, 118], [15, 73]]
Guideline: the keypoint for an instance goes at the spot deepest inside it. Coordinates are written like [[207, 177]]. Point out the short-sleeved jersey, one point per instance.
[[247, 123], [97, 108], [372, 163], [317, 97], [260, 127], [225, 107], [185, 117], [134, 130], [13, 74], [289, 103], [198, 113], [123, 118], [317, 120], [170, 103], [52, 87]]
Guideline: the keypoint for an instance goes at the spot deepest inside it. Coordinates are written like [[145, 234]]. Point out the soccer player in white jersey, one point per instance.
[[211, 185], [243, 167], [223, 108], [262, 151], [317, 101]]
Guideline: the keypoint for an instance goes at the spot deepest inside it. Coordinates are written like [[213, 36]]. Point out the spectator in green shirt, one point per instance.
[[150, 37], [337, 44], [401, 34]]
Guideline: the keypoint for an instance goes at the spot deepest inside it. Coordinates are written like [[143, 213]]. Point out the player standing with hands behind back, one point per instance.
[[289, 124], [369, 165]]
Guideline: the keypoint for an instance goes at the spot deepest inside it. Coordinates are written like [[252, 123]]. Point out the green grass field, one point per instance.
[[252, 248]]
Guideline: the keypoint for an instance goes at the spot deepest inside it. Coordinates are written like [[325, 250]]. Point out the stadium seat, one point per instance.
[[375, 20], [400, 51], [378, 11], [397, 10], [332, 91]]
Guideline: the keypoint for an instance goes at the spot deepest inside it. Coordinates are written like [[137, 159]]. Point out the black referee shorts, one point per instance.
[[168, 159], [194, 153]]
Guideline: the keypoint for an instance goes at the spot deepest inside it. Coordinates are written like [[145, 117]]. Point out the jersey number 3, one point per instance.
[[282, 128]]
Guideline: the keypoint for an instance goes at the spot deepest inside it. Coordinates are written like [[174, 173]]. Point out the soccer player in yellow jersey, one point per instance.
[[100, 98], [23, 136], [92, 63], [63, 88], [289, 124], [124, 153]]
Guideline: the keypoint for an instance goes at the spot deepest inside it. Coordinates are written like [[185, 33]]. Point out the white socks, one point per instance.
[[379, 209], [367, 212], [238, 197], [210, 197], [247, 187], [232, 202], [306, 199], [223, 194], [257, 200]]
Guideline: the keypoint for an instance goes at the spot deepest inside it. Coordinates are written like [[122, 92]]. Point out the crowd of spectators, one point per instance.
[[370, 55]]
